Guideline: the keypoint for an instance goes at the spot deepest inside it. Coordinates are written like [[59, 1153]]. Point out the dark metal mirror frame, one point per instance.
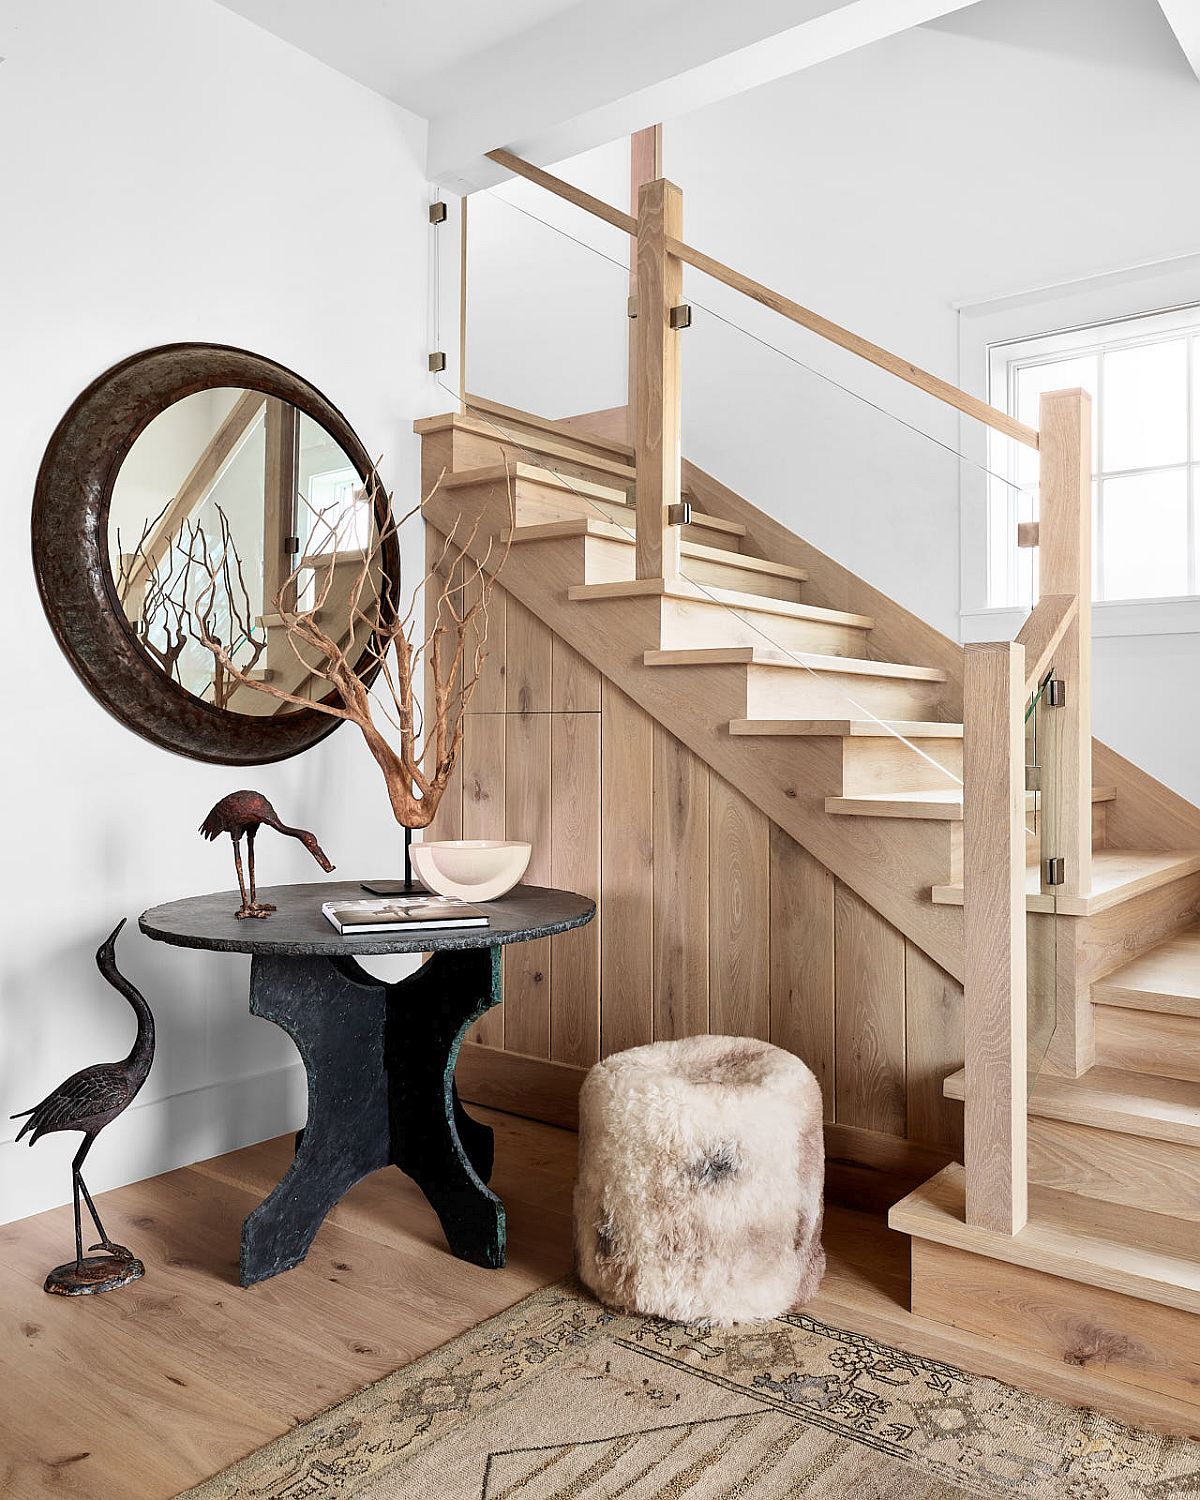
[[71, 549]]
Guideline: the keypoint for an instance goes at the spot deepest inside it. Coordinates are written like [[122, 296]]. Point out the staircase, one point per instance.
[[820, 718]]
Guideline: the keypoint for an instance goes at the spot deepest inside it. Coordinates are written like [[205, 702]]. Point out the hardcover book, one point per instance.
[[402, 914]]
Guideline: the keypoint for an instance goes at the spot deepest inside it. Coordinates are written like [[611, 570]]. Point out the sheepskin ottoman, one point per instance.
[[700, 1184]]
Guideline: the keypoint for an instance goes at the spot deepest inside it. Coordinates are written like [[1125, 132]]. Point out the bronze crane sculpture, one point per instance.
[[88, 1101], [244, 813]]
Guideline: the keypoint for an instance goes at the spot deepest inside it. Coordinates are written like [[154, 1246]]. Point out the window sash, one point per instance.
[[1012, 572]]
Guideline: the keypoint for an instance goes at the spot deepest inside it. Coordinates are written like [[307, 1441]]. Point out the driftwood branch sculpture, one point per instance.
[[369, 653], [191, 574]]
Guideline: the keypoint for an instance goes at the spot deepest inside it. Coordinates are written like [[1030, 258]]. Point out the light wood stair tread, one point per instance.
[[580, 489], [1117, 875], [1114, 1246], [909, 729], [733, 599], [611, 531], [947, 803], [483, 406], [1161, 1109], [1165, 978], [800, 661], [531, 442]]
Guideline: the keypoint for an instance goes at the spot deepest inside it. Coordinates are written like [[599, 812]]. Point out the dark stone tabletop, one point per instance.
[[298, 927]]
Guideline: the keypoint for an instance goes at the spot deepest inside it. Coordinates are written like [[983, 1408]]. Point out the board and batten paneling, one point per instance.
[[710, 917]]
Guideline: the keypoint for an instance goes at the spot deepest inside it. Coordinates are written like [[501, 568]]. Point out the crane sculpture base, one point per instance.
[[94, 1273]]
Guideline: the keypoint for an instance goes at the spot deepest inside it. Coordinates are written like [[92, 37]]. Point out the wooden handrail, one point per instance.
[[561, 189], [932, 385], [1041, 633]]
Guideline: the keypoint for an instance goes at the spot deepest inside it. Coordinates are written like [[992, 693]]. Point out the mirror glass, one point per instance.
[[232, 512]]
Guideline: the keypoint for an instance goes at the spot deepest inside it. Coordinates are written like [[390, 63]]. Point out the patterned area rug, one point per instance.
[[557, 1398]]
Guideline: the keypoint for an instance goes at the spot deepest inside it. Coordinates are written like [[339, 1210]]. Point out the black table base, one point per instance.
[[380, 1062]]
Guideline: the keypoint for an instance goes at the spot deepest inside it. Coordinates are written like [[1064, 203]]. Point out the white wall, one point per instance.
[[157, 183], [1012, 145]]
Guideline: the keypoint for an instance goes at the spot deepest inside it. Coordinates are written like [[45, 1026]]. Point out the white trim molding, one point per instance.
[[1111, 618], [1107, 297]]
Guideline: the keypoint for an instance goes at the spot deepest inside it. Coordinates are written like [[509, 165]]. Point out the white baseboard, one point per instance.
[[154, 1136]]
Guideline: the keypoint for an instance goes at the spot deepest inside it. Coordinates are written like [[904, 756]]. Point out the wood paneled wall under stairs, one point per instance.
[[711, 919]]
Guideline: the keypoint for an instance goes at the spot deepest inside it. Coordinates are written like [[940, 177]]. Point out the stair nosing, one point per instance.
[[718, 597], [756, 656], [1055, 1098], [909, 729], [609, 531], [480, 427], [1050, 1243]]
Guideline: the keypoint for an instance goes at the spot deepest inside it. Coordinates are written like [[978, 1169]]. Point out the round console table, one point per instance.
[[379, 1057]]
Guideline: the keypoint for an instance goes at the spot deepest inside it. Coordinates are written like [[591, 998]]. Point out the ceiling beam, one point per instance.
[[1183, 17], [547, 97]]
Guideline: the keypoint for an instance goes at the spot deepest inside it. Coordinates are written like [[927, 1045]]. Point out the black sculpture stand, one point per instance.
[[380, 1061]]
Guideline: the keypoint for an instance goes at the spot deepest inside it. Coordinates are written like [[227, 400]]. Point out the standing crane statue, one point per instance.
[[243, 814], [88, 1101]]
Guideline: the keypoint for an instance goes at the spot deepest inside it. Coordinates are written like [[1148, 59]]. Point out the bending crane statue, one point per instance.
[[244, 813], [88, 1101]]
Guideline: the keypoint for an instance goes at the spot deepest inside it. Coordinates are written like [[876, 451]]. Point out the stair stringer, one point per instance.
[[891, 865]]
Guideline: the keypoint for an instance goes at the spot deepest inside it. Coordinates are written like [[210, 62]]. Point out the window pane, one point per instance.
[[1145, 536], [1057, 375], [1145, 406], [1196, 397]]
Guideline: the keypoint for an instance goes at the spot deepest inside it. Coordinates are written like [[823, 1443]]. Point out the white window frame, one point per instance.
[[1132, 306]]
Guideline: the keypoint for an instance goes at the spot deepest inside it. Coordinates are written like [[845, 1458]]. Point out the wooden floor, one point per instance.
[[142, 1393]]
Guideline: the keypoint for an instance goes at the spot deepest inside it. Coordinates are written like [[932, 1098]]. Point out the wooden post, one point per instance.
[[645, 164], [1065, 563], [657, 439], [994, 1149], [462, 303]]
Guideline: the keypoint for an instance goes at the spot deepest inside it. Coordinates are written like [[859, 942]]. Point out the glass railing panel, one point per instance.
[[548, 290], [1043, 817]]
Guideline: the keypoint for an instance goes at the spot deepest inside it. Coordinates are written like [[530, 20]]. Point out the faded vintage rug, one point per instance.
[[557, 1399]]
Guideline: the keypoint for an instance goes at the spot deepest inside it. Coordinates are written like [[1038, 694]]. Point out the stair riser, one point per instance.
[[471, 450], [610, 561], [530, 433], [1161, 1177], [687, 624], [1109, 939], [1084, 1327], [1143, 1041], [891, 765], [782, 692], [536, 506]]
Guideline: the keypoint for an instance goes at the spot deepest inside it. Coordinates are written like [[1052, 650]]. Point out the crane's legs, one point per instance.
[[261, 908], [80, 1186], [249, 907]]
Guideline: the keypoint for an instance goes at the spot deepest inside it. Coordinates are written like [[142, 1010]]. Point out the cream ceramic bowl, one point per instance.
[[471, 869]]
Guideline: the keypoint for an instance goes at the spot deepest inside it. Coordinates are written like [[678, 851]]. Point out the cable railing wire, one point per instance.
[[774, 348]]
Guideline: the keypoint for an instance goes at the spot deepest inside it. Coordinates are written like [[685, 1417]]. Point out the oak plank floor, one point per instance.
[[139, 1394]]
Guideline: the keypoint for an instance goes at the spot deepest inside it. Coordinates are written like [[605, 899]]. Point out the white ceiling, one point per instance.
[[550, 78], [408, 52]]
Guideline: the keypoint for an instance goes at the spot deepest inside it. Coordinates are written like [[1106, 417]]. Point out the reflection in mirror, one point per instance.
[[231, 510]]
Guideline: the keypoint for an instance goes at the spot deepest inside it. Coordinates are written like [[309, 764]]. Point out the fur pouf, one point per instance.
[[701, 1176]]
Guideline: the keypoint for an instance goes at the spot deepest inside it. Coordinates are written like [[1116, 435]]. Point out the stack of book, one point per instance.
[[402, 914]]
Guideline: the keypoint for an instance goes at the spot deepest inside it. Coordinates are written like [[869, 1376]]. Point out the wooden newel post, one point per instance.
[[995, 1144], [1065, 567], [657, 435]]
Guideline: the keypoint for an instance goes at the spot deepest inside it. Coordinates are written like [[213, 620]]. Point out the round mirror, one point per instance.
[[193, 501]]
